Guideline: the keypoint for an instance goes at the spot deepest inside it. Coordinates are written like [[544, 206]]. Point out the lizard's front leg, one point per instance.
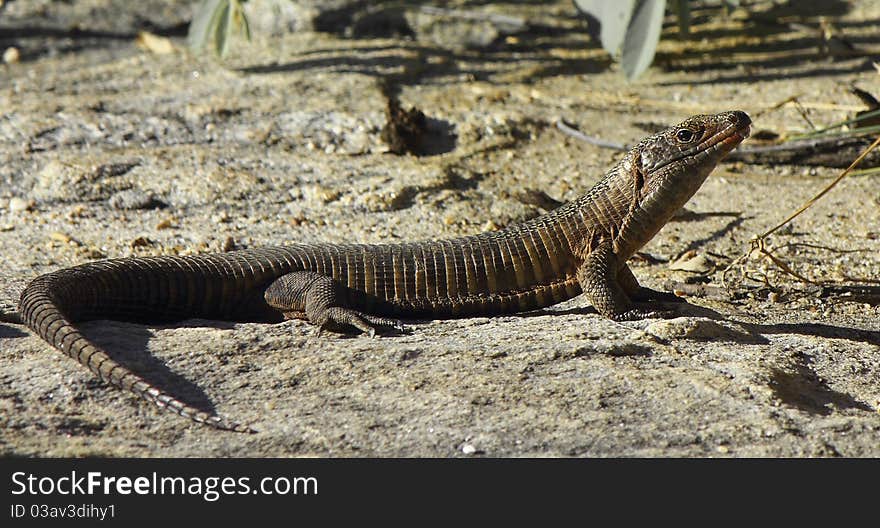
[[322, 301], [600, 281]]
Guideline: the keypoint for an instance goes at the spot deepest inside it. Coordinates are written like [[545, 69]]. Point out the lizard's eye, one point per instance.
[[684, 135]]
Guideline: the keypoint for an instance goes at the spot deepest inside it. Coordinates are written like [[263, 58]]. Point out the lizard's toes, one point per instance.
[[637, 314], [396, 324]]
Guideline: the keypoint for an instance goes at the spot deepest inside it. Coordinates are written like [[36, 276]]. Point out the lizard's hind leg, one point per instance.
[[322, 301]]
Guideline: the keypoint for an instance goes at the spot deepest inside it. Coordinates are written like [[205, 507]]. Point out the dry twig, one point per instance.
[[759, 243]]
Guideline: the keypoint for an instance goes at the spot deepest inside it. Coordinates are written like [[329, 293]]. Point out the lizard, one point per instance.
[[581, 247]]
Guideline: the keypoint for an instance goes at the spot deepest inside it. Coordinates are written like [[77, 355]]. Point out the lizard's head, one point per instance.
[[669, 167], [674, 163]]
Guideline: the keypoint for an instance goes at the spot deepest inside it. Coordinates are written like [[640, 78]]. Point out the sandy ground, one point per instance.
[[110, 150]]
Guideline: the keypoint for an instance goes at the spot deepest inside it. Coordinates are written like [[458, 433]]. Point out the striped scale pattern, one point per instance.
[[524, 267]]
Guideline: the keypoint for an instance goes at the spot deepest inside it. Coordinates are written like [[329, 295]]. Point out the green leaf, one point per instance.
[[221, 31], [642, 36], [241, 21], [214, 23], [203, 24], [607, 21]]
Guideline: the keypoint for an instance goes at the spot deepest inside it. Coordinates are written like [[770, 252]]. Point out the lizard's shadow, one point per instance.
[[127, 344], [8, 331], [686, 309], [813, 329], [799, 385]]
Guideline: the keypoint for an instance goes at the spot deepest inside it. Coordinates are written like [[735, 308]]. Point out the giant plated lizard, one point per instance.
[[580, 247]]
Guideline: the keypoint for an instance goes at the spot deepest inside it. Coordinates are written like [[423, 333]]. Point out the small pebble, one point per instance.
[[18, 204], [468, 449], [321, 194], [141, 241], [131, 199], [693, 262], [78, 211], [221, 218], [60, 237], [11, 54], [154, 43]]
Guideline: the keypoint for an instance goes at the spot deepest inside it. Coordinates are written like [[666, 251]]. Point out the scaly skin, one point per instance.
[[581, 247]]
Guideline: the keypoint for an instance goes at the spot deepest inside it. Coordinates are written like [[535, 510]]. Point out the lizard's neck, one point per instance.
[[621, 209]]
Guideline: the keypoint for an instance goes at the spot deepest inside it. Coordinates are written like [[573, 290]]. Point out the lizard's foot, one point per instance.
[[364, 322], [320, 300], [637, 314]]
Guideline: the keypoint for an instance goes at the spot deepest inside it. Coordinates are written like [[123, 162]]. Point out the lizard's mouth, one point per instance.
[[730, 140], [743, 131]]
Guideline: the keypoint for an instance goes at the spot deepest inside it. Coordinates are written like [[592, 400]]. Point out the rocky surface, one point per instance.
[[108, 150]]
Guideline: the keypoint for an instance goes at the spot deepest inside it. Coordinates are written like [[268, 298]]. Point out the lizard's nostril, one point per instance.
[[738, 117]]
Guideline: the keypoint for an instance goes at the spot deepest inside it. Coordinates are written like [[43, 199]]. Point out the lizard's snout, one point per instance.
[[741, 120]]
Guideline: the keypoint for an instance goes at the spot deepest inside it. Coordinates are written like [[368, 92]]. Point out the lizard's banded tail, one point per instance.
[[51, 302]]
